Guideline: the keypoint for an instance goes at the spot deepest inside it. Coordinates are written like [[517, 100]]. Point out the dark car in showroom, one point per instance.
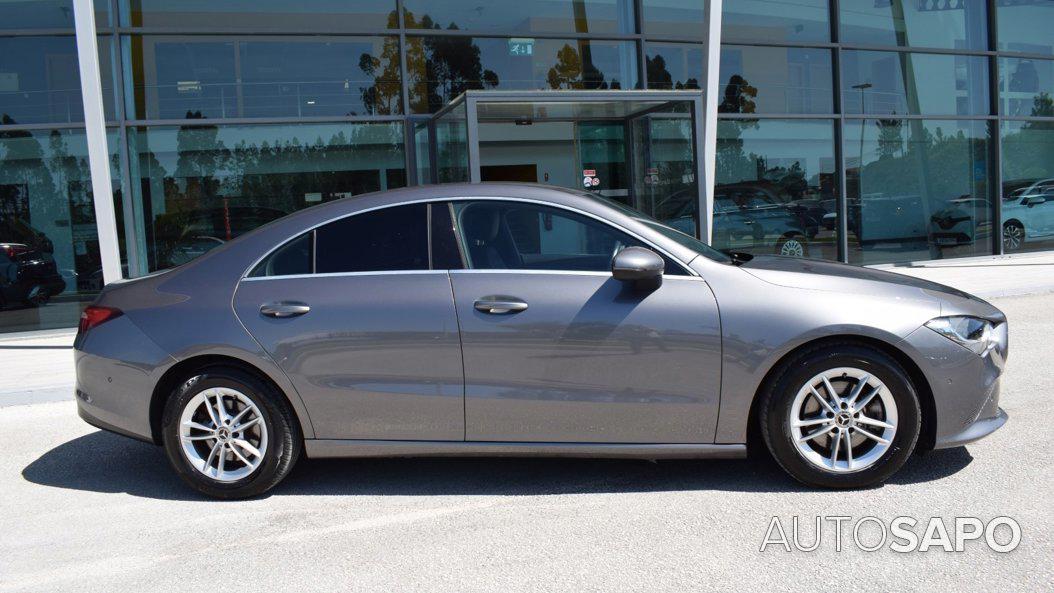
[[27, 276]]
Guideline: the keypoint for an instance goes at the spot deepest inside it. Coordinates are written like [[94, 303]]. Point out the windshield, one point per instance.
[[682, 239]]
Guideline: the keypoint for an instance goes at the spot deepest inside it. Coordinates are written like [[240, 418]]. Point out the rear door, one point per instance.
[[364, 325], [556, 350]]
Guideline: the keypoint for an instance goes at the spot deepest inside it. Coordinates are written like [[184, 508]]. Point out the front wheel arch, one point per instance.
[[928, 432]]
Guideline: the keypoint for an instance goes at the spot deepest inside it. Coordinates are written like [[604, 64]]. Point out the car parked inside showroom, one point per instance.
[[1028, 215], [521, 319]]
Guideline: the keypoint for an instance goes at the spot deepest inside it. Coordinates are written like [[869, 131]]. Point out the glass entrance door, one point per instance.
[[635, 147]]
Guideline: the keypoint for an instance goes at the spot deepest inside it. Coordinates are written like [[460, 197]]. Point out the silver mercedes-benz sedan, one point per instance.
[[508, 319]]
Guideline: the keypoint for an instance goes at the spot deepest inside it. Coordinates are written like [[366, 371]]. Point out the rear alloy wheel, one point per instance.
[[1013, 236], [841, 416], [37, 296], [229, 435]]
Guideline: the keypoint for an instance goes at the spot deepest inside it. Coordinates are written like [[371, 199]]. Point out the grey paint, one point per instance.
[[587, 362]]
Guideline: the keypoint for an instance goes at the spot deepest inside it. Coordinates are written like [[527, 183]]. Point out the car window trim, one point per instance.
[[646, 242]]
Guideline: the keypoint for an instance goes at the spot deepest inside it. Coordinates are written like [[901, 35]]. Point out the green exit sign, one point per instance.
[[521, 46]]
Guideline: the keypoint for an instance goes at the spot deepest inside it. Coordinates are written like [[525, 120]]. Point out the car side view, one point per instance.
[[515, 320]]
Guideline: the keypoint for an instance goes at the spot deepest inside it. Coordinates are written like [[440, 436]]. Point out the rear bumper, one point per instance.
[[974, 432]]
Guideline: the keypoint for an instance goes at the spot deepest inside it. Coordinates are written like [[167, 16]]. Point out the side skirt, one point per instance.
[[320, 448]]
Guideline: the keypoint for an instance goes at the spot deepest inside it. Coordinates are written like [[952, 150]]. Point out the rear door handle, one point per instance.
[[500, 305], [282, 310]]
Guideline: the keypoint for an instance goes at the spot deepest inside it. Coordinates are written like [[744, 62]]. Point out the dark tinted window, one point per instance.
[[393, 238], [330, 15], [785, 20], [528, 16], [897, 83], [445, 252], [518, 236], [914, 23], [292, 258]]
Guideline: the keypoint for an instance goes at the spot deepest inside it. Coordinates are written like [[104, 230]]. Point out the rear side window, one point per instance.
[[383, 240], [295, 257]]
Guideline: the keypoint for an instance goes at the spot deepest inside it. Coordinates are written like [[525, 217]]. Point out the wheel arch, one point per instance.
[[183, 370], [928, 431]]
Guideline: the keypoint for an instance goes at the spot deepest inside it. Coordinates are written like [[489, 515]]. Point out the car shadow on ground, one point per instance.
[[104, 462]]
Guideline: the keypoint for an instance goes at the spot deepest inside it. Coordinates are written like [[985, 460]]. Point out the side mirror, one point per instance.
[[1035, 201], [640, 266]]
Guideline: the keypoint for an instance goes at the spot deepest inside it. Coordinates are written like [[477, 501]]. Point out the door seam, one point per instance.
[[464, 376]]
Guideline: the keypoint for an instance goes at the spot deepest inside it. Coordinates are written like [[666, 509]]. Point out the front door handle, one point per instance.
[[282, 310], [500, 305]]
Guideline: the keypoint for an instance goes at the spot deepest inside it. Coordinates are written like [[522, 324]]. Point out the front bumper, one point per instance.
[[965, 386], [974, 432]]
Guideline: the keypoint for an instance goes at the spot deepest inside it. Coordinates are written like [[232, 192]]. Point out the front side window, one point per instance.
[[523, 236]]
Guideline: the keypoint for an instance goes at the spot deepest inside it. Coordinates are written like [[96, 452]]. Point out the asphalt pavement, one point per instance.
[[84, 510]]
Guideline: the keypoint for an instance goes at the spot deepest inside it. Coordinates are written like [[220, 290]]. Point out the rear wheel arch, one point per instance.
[[928, 434], [185, 369]]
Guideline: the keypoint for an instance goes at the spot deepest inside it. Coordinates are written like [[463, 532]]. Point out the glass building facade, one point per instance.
[[865, 131]]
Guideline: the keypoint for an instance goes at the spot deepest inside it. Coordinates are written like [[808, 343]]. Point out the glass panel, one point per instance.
[[327, 15], [213, 77], [888, 83], [951, 25], [1028, 185], [422, 153], [50, 267], [664, 180], [452, 146], [441, 68], [922, 192], [40, 80], [528, 16], [685, 19], [1026, 87], [389, 239], [776, 80], [200, 186], [674, 66], [295, 257], [1025, 26], [776, 20], [515, 236], [777, 188], [47, 14]]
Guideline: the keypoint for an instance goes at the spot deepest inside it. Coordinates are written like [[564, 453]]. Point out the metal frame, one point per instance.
[[87, 31]]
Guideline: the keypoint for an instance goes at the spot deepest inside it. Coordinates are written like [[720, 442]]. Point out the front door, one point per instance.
[[556, 350]]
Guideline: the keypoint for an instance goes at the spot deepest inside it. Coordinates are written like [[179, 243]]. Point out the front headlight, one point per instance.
[[972, 333]]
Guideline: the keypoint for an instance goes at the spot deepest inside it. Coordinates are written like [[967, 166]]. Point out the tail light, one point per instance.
[[94, 316]]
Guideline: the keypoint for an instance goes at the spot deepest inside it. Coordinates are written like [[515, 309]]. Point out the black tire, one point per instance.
[[283, 444], [779, 394]]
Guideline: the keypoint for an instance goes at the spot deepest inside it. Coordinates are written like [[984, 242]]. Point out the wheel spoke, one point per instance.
[[221, 410], [867, 400], [859, 387], [240, 415], [826, 405], [212, 455], [198, 426], [873, 437], [848, 449], [830, 389], [834, 450], [248, 447], [873, 422], [211, 411], [241, 457], [812, 422], [204, 437], [223, 461], [818, 433], [246, 426]]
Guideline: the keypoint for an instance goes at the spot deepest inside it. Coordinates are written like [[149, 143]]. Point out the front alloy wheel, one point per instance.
[[843, 420], [840, 415], [1013, 236]]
